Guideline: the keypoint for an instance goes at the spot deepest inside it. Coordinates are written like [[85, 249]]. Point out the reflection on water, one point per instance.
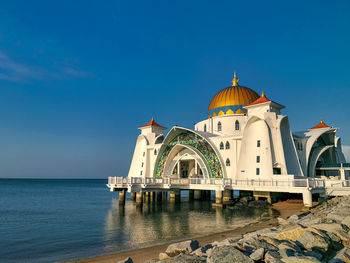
[[134, 227]]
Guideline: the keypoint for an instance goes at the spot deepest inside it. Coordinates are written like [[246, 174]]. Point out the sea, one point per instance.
[[49, 220]]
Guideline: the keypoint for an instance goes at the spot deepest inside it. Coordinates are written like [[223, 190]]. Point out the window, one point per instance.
[[237, 125], [257, 171], [221, 146], [142, 165], [155, 151], [276, 170], [258, 143], [228, 163], [141, 173], [144, 154], [258, 159], [227, 146], [219, 126], [205, 128]]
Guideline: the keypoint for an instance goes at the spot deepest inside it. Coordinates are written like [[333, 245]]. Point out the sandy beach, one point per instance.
[[285, 209]]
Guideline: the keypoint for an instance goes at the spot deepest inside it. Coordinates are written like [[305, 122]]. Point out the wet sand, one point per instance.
[[285, 209]]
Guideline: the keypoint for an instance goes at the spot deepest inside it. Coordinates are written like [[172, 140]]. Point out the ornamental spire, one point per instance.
[[235, 80]]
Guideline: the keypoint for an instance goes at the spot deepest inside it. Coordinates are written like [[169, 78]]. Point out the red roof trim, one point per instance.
[[152, 123], [321, 125], [262, 99]]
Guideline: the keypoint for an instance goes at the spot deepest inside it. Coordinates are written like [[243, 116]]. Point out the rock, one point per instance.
[[185, 247], [163, 256], [346, 221], [293, 219], [292, 234], [256, 243], [286, 244], [151, 261], [342, 256], [282, 221], [300, 259], [227, 241], [227, 254], [202, 250], [272, 257], [273, 241], [183, 258], [126, 260], [312, 241], [336, 232], [258, 254], [313, 254]]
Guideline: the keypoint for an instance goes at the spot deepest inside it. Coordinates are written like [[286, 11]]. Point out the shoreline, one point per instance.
[[286, 209]]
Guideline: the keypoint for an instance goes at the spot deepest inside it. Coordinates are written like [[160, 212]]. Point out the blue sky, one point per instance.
[[78, 77]]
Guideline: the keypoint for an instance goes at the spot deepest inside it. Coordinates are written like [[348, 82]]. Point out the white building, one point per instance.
[[244, 137]]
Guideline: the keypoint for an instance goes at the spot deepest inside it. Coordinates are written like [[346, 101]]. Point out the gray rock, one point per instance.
[[293, 219], [183, 258], [202, 251], [313, 254], [185, 247], [286, 244], [300, 259], [312, 241], [272, 257], [258, 254], [227, 254], [342, 256], [126, 260], [282, 221]]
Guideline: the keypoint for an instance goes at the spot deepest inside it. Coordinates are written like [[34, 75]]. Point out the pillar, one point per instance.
[[307, 198], [197, 195], [191, 195], [342, 174], [218, 197], [165, 195], [139, 198], [122, 197], [159, 196], [151, 196], [227, 196], [133, 196], [175, 196]]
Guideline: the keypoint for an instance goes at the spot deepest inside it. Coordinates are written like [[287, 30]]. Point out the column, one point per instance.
[[218, 197], [122, 197], [159, 196], [191, 195], [139, 198], [197, 195], [227, 196], [175, 196], [307, 198], [133, 196]]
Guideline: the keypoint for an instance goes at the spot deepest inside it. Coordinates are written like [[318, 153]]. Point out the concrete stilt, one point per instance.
[[139, 198], [267, 195], [159, 196], [307, 198], [133, 196], [122, 197], [227, 196], [197, 195], [151, 196], [165, 195], [175, 196], [218, 197], [191, 195]]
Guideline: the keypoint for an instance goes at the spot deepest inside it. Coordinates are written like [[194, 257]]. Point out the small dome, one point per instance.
[[232, 99]]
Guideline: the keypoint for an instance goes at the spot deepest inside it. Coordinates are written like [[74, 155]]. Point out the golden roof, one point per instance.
[[235, 95]]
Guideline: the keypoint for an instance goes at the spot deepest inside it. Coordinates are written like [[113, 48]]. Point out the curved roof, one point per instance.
[[232, 96]]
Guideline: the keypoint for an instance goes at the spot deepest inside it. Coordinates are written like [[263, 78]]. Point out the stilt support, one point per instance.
[[227, 196], [122, 197], [197, 195], [139, 198], [175, 196], [191, 195], [133, 196], [307, 198]]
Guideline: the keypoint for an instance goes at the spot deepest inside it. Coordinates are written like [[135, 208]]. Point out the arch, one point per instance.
[[159, 139], [221, 145], [205, 128], [229, 112], [214, 114], [221, 113], [155, 151], [237, 126], [180, 152], [219, 126], [183, 136], [227, 146], [228, 162], [239, 111], [316, 154]]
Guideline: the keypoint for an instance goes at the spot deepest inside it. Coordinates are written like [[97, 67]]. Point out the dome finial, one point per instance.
[[152, 118], [263, 94], [321, 120], [235, 80]]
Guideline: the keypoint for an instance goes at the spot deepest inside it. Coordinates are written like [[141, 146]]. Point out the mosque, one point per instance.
[[244, 137], [245, 144]]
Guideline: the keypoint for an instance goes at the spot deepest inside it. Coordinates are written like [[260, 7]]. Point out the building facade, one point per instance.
[[244, 137]]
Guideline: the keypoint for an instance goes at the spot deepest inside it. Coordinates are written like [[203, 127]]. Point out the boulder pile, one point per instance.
[[319, 235]]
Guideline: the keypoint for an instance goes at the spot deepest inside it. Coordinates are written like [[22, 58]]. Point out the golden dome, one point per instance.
[[236, 96]]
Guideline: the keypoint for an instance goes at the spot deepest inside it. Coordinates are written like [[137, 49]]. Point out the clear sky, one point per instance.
[[78, 77]]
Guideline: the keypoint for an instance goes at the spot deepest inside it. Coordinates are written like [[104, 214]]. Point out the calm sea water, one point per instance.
[[58, 220]]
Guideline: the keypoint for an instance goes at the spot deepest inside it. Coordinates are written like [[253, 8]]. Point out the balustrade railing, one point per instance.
[[307, 182]]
